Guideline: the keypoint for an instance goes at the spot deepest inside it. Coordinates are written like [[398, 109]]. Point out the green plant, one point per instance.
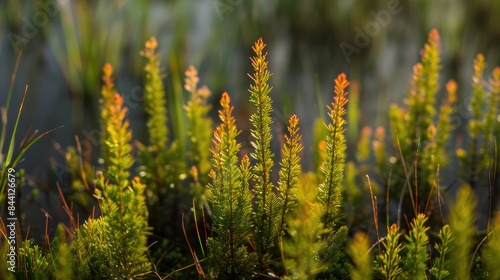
[[462, 222], [441, 266], [231, 202], [330, 190], [118, 239], [162, 166], [358, 250], [199, 133], [417, 137], [267, 205], [289, 175], [417, 256], [253, 226], [390, 259], [492, 250], [482, 127]]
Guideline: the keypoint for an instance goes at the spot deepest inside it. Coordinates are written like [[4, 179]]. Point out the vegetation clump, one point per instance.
[[255, 213]]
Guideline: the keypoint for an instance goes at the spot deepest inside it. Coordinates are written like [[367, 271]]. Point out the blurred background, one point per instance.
[[65, 43]]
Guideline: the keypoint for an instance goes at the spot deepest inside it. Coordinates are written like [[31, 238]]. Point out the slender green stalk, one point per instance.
[[290, 171], [155, 101], [330, 190], [267, 208], [199, 131]]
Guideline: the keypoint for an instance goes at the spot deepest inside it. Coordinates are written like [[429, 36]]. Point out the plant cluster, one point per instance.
[[257, 215]]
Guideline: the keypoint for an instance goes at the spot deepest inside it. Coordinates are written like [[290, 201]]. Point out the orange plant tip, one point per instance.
[[107, 69], [225, 99], [151, 43], [434, 35], [341, 82], [191, 71], [451, 88], [294, 120], [496, 73]]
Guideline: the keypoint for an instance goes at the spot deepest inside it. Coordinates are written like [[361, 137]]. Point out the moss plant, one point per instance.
[[358, 249], [330, 190], [462, 223], [481, 126], [390, 264], [267, 205], [231, 203], [254, 227], [418, 144], [118, 238], [162, 166], [34, 263], [303, 248], [417, 256], [492, 250], [441, 267], [199, 132], [62, 258], [289, 175], [153, 156]]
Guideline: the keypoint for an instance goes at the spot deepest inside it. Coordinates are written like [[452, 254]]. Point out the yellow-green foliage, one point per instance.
[[422, 95], [154, 157], [118, 243], [290, 171], [154, 100], [482, 125], [199, 125], [415, 262], [441, 267], [4, 266], [358, 250], [162, 165], [293, 228], [438, 135], [330, 190], [390, 260], [34, 263], [462, 222], [199, 134], [491, 253], [319, 149], [490, 118], [267, 205], [63, 265], [419, 136], [108, 92], [379, 149], [230, 202], [302, 249]]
